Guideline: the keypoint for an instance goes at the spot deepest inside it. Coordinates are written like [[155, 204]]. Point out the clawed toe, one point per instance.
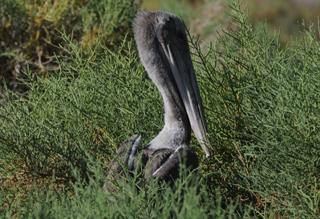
[[125, 156], [164, 164]]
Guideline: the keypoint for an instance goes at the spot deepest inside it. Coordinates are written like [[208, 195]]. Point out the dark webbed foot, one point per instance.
[[164, 164]]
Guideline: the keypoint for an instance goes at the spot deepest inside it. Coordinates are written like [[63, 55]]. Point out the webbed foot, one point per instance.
[[164, 164]]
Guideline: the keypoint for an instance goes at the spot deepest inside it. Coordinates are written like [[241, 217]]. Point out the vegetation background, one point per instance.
[[72, 89]]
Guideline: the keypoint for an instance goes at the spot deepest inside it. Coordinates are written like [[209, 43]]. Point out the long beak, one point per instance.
[[184, 76]]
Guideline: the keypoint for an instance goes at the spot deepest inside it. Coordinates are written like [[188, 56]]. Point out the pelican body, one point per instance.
[[162, 43]]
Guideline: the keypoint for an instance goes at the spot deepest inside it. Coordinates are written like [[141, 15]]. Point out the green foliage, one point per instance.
[[263, 112], [186, 199], [262, 108], [30, 32], [88, 107]]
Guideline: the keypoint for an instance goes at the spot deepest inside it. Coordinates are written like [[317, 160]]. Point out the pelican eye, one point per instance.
[[165, 34]]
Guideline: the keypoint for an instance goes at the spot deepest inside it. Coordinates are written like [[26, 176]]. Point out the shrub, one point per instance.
[[30, 32], [88, 107], [263, 115]]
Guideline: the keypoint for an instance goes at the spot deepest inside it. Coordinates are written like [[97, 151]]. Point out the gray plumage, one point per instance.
[[163, 49], [164, 52]]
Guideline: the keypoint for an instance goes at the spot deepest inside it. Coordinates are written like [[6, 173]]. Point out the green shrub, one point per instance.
[[263, 114], [186, 199], [30, 32], [88, 107]]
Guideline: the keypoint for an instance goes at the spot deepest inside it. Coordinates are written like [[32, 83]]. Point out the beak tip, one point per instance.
[[206, 150]]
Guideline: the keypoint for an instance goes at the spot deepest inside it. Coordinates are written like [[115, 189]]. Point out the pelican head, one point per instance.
[[164, 52]]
